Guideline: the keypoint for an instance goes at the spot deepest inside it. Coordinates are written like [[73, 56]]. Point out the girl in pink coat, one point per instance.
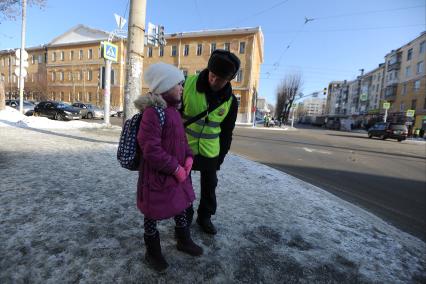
[[164, 185]]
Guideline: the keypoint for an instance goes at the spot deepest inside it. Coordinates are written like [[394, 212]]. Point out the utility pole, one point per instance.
[[21, 58], [134, 64]]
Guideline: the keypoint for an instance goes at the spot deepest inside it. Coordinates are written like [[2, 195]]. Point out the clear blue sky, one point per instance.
[[344, 36]]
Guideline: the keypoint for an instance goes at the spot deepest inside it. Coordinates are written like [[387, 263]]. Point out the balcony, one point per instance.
[[390, 92], [394, 66]]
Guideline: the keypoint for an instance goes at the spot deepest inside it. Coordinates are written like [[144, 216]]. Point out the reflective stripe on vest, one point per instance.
[[203, 137]]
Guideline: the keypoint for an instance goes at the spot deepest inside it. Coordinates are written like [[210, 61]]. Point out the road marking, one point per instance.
[[310, 150]]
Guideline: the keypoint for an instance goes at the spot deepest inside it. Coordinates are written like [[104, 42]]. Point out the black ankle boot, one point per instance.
[[189, 212], [185, 243], [153, 254], [207, 225]]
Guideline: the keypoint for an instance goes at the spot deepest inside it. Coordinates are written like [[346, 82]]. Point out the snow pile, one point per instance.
[[11, 117], [68, 214]]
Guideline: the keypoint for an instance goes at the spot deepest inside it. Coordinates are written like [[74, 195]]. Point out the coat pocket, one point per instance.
[[162, 182]]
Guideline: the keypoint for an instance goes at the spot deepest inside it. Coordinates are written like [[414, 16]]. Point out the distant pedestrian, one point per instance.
[[164, 185]]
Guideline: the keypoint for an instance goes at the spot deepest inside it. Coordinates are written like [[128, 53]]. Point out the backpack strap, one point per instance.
[[161, 115]]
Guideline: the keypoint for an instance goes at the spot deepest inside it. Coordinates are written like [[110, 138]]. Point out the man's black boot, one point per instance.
[[153, 254], [185, 243], [207, 225]]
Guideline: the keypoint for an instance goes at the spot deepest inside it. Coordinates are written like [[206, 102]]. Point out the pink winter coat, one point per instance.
[[159, 194]]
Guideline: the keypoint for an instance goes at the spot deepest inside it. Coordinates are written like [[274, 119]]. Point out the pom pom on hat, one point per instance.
[[161, 77]]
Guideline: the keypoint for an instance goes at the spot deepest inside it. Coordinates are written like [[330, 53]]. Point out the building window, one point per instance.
[[212, 47], [199, 49], [33, 59], [409, 54], [3, 62], [90, 54], [89, 96], [72, 55], [174, 50], [89, 75], [80, 54], [53, 56], [407, 71], [420, 67], [62, 56], [422, 47], [78, 96], [424, 104], [40, 58], [404, 89], [239, 76], [186, 50], [2, 77], [69, 76], [61, 96], [161, 49], [413, 104], [416, 86], [227, 46], [53, 76], [61, 76], [401, 106], [80, 75], [242, 47], [150, 51]]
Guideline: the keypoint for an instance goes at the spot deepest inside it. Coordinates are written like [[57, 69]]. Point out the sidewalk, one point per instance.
[[69, 215]]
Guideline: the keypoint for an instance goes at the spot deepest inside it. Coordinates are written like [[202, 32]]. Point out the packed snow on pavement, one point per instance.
[[68, 214]]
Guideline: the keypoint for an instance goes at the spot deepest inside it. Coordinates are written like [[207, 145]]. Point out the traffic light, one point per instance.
[[325, 91], [160, 35]]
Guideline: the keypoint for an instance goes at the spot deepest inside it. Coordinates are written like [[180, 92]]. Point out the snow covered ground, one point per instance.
[[68, 214]]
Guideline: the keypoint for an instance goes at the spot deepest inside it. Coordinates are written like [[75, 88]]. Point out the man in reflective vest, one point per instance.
[[210, 137]]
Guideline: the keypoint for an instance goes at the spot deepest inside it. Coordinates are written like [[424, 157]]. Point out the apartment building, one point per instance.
[[190, 51], [314, 106], [333, 94], [371, 91], [35, 81], [410, 92]]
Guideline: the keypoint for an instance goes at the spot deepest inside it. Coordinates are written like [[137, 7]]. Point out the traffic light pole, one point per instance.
[[134, 64], [21, 58]]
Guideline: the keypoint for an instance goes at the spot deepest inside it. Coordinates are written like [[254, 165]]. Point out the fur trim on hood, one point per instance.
[[149, 100]]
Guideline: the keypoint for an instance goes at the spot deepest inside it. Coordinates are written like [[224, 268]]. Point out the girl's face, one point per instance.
[[174, 95]]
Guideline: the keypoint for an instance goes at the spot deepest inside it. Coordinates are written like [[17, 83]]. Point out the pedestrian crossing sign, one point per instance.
[[109, 51]]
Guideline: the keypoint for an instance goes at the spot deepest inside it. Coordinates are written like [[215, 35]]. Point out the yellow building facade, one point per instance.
[[71, 68]]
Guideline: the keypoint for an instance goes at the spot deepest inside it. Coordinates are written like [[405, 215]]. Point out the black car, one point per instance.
[[56, 110], [386, 130]]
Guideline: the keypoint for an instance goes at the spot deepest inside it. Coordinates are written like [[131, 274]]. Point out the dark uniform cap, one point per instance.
[[224, 64]]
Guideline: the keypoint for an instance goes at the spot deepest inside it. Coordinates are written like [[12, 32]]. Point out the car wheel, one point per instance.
[[400, 140], [89, 115], [58, 116], [383, 137]]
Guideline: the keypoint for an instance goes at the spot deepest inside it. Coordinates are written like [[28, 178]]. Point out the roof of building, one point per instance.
[[78, 35]]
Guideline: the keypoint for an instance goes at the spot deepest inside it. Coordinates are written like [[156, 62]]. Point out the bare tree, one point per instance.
[[287, 90], [10, 9]]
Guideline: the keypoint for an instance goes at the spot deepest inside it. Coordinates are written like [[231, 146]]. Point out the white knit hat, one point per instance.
[[161, 77]]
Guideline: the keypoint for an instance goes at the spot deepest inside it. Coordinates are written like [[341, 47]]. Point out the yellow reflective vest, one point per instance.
[[202, 135]]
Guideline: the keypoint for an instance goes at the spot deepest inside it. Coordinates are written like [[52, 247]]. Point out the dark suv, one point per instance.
[[56, 110], [386, 130]]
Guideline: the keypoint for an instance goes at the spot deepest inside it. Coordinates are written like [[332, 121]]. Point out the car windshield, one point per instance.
[[63, 105]]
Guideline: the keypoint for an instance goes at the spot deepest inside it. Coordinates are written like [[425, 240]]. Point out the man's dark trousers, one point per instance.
[[208, 203]]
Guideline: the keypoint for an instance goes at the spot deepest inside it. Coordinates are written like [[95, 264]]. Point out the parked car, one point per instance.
[[386, 130], [97, 111], [28, 107], [84, 110], [57, 110]]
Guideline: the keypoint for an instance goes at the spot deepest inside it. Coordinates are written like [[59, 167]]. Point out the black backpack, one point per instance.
[[128, 153]]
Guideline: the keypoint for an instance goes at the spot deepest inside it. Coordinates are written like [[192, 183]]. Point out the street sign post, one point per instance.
[[109, 51], [386, 106], [410, 113]]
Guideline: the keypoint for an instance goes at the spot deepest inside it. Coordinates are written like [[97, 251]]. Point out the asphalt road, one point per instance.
[[387, 178]]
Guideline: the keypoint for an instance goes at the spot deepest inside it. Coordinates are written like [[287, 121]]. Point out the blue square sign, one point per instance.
[[109, 51]]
